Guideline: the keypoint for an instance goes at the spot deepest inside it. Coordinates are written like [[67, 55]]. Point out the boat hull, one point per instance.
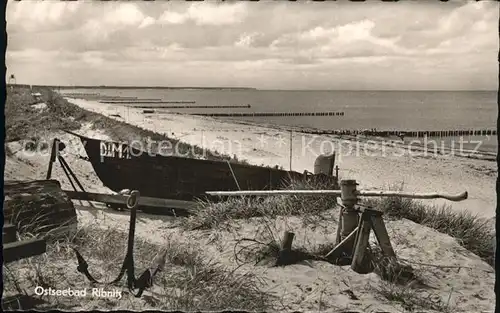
[[120, 166]]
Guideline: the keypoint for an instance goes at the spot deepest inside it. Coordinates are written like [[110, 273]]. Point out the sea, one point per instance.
[[381, 110]]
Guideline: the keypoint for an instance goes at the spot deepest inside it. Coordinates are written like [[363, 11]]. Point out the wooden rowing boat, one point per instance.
[[120, 166]]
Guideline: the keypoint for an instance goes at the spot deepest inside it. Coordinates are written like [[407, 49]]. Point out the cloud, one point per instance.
[[207, 14], [93, 58], [246, 40], [217, 14], [302, 39], [123, 17], [147, 21], [169, 17], [463, 30], [353, 39], [124, 14], [38, 15]]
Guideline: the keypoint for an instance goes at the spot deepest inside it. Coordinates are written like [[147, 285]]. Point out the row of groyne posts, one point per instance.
[[404, 133], [156, 104], [150, 109], [269, 114]]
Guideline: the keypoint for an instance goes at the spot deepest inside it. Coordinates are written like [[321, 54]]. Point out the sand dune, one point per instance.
[[310, 286]]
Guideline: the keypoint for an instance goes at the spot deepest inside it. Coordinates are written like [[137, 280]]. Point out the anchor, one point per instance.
[[146, 279]]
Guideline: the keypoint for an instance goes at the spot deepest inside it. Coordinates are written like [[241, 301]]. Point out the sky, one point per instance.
[[373, 45]]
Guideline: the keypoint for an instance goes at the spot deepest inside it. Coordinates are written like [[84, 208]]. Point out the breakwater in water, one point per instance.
[[193, 106], [80, 94], [283, 114], [159, 101], [102, 98], [396, 111], [99, 97], [405, 133]]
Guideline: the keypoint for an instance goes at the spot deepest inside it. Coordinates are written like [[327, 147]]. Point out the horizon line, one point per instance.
[[229, 87]]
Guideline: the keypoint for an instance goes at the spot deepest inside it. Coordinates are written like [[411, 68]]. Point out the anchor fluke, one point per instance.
[[83, 266]]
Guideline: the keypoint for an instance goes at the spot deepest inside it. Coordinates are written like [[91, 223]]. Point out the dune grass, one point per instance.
[[411, 299], [474, 233], [399, 282], [23, 122], [189, 281], [121, 131], [220, 214], [192, 282]]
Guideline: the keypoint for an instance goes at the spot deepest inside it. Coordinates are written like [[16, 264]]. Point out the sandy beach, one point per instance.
[[374, 166], [410, 113], [308, 286]]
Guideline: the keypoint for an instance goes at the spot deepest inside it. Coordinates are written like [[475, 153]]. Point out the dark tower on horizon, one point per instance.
[[12, 79]]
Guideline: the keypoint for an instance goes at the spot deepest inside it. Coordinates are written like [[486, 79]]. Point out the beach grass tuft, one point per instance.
[[412, 299], [189, 280], [23, 121], [402, 284], [473, 232], [216, 214]]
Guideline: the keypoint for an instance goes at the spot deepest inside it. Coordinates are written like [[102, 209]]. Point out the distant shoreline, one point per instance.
[[131, 87], [237, 88]]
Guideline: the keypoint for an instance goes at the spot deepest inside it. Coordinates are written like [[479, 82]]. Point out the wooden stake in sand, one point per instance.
[[349, 215], [54, 151], [286, 248], [370, 219]]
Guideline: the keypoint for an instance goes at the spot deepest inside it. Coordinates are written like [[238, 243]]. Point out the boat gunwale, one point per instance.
[[215, 162]]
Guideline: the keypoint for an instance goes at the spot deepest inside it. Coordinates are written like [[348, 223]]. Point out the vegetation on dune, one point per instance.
[[121, 131], [400, 282], [217, 214], [23, 122], [188, 281], [473, 232]]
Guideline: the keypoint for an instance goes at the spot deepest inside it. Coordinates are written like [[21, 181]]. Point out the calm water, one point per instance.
[[384, 110]]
